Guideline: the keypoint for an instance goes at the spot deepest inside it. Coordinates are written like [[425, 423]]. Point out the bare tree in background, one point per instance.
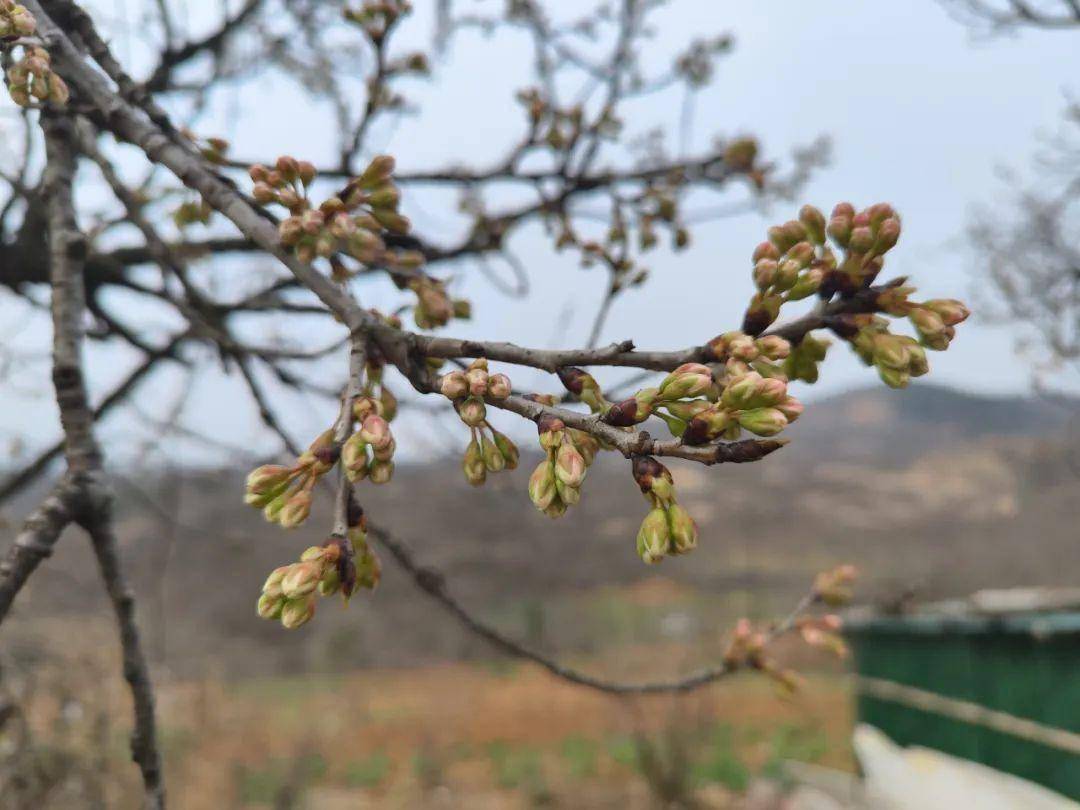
[[182, 204]]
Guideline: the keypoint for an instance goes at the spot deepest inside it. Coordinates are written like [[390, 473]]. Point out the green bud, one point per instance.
[[269, 606], [301, 579], [684, 531], [493, 459], [295, 510], [569, 465], [380, 472], [542, 485], [297, 612], [507, 448], [654, 536], [763, 421]]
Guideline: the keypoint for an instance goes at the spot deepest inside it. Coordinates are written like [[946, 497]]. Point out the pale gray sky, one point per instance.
[[921, 114]]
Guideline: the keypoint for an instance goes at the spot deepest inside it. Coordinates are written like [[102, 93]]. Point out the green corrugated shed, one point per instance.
[[1016, 652]]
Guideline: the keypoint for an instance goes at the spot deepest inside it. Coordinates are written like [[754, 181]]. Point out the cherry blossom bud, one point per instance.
[[684, 533], [814, 222], [378, 171], [295, 510], [376, 431], [301, 579], [887, 236], [773, 347], [493, 459], [472, 464], [765, 273], [297, 612], [270, 606], [688, 380], [806, 284], [653, 479], [765, 250], [654, 536], [507, 448], [771, 391], [833, 587], [454, 385], [551, 430], [742, 391], [791, 408], [569, 465], [542, 489], [290, 230], [763, 421], [380, 472], [499, 387], [272, 586], [478, 381], [473, 412], [893, 377], [862, 240], [951, 311], [266, 478]]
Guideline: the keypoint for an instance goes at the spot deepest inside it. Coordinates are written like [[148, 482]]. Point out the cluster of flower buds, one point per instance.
[[748, 648], [668, 527], [834, 587], [15, 21], [340, 565], [284, 493], [688, 381], [31, 79], [369, 452], [468, 389], [377, 17], [805, 357], [823, 632], [740, 353], [434, 307], [897, 358], [350, 222], [555, 484]]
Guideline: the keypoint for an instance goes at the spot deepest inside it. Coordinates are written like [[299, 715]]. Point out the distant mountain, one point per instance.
[[895, 427]]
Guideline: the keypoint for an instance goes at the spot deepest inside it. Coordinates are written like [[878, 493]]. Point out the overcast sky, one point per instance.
[[922, 114]]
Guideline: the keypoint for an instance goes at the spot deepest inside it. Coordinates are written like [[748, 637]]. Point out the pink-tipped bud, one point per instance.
[[773, 347], [301, 579], [498, 386], [297, 612], [887, 236], [570, 465], [862, 240], [376, 432], [742, 391], [951, 311], [814, 222], [454, 385], [772, 391], [266, 478], [473, 412], [542, 489], [478, 381], [765, 250], [791, 408], [295, 510]]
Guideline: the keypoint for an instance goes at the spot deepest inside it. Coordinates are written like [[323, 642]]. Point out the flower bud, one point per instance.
[[272, 586], [951, 311], [551, 430], [376, 431], [654, 536], [773, 347], [742, 391], [887, 236], [684, 531], [295, 510], [765, 250], [493, 459], [814, 222], [542, 485], [927, 321], [687, 381], [378, 172], [297, 612], [354, 457], [506, 448], [791, 408], [498, 387], [806, 284], [833, 587], [862, 240], [454, 385], [763, 421], [301, 579], [653, 479], [269, 606], [569, 465], [473, 412], [380, 472], [477, 378], [893, 377], [290, 230], [917, 364], [771, 391], [267, 478], [765, 273]]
